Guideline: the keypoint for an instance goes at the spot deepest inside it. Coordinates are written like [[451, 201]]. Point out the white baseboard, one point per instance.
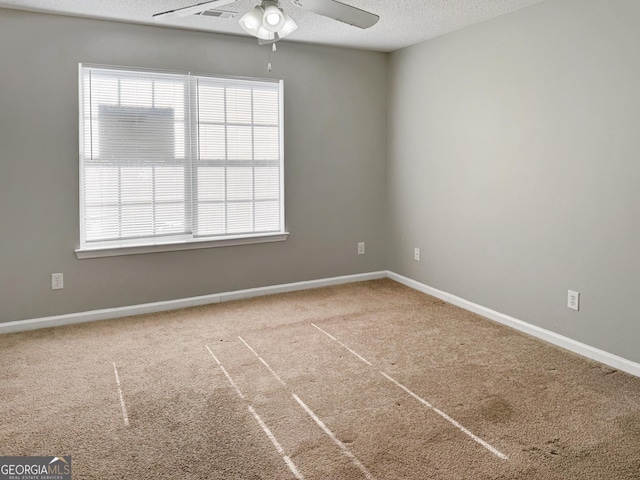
[[58, 320], [546, 335], [561, 341]]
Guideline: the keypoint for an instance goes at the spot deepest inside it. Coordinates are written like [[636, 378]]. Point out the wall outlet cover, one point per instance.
[[573, 300], [57, 281]]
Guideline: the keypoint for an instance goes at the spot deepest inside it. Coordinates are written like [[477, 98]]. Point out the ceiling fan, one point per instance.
[[268, 21]]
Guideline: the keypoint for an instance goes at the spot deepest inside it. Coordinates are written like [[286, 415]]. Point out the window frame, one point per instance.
[[191, 240]]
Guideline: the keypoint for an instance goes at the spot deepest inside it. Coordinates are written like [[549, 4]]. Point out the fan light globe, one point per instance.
[[264, 34], [289, 26], [273, 18], [251, 22]]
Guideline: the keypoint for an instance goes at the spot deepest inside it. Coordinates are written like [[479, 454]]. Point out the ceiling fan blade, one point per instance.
[[340, 11], [193, 10]]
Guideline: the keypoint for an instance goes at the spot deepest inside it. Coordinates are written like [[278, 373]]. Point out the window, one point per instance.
[[173, 161]]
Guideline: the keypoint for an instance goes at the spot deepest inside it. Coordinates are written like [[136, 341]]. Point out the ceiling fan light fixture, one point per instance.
[[289, 26], [268, 22], [264, 34], [251, 22], [273, 18]]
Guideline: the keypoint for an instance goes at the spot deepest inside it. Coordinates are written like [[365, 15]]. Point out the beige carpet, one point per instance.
[[393, 384]]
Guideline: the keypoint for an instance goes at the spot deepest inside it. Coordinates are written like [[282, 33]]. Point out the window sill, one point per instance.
[[115, 251]]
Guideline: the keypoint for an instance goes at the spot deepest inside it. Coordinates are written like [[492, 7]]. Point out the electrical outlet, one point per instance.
[[573, 300], [57, 281], [416, 254], [361, 248]]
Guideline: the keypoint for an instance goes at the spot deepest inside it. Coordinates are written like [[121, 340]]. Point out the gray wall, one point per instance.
[[514, 163], [335, 165]]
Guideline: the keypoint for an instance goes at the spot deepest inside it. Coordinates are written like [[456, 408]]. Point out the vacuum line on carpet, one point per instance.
[[122, 405], [276, 444], [335, 439], [453, 422], [226, 374], [287, 460], [315, 418], [338, 341], [263, 362]]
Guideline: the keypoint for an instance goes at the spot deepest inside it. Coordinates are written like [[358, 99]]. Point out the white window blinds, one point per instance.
[[175, 157]]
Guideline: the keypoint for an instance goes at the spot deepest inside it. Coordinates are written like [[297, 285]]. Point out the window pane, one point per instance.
[[211, 219], [136, 220], [239, 217], [101, 185], [211, 184], [104, 91], [136, 92], [102, 223], [267, 183], [169, 219], [265, 107], [239, 183], [212, 142], [267, 216], [210, 103], [169, 95], [169, 184], [239, 143], [238, 105], [136, 185], [267, 141]]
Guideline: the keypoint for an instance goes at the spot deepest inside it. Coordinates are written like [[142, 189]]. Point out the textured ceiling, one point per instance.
[[402, 22]]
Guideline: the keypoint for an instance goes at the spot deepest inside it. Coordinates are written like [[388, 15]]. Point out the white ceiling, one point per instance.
[[402, 22]]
